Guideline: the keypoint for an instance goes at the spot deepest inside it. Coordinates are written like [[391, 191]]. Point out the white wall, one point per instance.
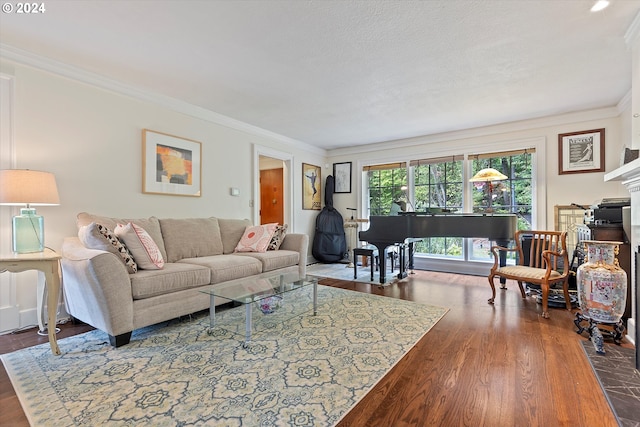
[[91, 139]]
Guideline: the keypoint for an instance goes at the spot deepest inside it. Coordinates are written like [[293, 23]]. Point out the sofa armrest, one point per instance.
[[299, 243], [97, 288]]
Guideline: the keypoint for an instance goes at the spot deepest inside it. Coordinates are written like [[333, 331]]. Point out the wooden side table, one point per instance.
[[47, 262]]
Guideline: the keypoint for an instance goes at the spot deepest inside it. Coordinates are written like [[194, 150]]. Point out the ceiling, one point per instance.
[[342, 73]]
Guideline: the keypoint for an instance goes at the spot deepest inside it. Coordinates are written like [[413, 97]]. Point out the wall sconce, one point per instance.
[[23, 187]]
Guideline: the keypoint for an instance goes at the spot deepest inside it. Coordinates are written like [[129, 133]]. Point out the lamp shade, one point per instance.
[[20, 187], [488, 174]]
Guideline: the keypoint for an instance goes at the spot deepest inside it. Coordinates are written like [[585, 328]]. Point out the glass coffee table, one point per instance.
[[266, 290]]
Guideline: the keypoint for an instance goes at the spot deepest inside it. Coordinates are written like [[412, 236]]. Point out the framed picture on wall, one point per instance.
[[581, 152], [170, 164], [342, 177], [311, 187]]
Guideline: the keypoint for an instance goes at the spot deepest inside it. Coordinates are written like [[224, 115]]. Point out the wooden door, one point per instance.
[[271, 196]]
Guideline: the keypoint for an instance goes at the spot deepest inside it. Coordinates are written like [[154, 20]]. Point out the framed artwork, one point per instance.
[[581, 152], [311, 187], [170, 165], [342, 177]]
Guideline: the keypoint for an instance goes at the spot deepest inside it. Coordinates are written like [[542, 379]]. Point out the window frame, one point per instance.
[[448, 149]]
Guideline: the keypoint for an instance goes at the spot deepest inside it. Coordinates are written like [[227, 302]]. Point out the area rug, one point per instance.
[[298, 369]]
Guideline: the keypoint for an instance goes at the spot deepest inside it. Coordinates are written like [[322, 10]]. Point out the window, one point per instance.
[[438, 185], [512, 195], [385, 184], [441, 185]]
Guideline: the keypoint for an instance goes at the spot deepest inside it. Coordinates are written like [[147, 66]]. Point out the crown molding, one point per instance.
[[632, 35], [625, 103], [23, 57]]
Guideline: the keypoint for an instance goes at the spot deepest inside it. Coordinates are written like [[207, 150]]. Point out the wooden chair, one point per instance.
[[547, 263]]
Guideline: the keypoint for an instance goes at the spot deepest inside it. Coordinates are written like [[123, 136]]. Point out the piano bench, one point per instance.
[[369, 252]]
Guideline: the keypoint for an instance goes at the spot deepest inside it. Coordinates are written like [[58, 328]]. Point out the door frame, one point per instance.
[[287, 177], [10, 316]]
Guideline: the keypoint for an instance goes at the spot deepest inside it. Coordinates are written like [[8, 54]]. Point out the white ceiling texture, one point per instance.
[[343, 73]]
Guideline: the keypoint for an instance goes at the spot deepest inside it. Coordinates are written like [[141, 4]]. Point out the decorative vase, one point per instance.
[[602, 292], [602, 284]]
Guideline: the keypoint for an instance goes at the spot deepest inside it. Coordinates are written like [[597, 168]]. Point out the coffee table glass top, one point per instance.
[[255, 288]]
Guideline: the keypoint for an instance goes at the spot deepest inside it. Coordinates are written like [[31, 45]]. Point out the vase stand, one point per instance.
[[598, 331]]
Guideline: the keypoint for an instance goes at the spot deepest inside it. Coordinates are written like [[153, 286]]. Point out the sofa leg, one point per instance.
[[120, 340]]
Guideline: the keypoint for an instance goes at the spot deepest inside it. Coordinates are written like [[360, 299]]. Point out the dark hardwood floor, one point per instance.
[[481, 365]]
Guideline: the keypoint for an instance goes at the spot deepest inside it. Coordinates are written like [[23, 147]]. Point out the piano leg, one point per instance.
[[411, 251], [406, 259], [402, 260], [382, 251]]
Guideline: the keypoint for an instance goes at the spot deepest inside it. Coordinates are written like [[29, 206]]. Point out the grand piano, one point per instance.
[[404, 229]]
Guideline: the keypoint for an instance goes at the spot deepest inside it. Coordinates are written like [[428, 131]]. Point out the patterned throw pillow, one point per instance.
[[145, 251], [278, 237], [97, 236], [256, 238]]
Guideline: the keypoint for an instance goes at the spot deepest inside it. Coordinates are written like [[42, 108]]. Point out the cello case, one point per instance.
[[329, 241]]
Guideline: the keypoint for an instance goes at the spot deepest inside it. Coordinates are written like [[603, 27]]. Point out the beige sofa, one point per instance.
[[198, 253]]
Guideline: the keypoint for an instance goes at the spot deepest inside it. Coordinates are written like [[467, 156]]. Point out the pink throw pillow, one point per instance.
[[256, 238], [144, 250]]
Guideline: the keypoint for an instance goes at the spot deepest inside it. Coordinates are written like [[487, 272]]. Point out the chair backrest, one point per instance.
[[531, 244]]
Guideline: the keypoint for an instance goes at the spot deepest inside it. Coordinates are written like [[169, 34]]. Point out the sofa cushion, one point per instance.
[[273, 260], [151, 226], [256, 238], [173, 277], [144, 250], [191, 238], [97, 236], [231, 230], [227, 267]]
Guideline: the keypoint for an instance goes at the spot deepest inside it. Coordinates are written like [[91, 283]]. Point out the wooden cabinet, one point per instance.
[[615, 233]]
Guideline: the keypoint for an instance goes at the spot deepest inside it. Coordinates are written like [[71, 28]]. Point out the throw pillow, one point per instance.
[[144, 249], [256, 238], [97, 236], [278, 237]]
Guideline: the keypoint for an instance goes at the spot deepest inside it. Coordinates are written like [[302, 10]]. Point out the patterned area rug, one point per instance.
[[298, 370]]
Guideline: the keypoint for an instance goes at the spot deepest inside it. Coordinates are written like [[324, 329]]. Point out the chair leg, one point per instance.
[[493, 289], [545, 300], [522, 291], [565, 290]]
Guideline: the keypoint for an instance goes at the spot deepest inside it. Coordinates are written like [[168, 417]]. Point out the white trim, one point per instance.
[[287, 159], [9, 308], [633, 32]]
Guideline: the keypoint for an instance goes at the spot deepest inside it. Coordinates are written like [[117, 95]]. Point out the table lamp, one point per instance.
[[488, 175], [23, 187]]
